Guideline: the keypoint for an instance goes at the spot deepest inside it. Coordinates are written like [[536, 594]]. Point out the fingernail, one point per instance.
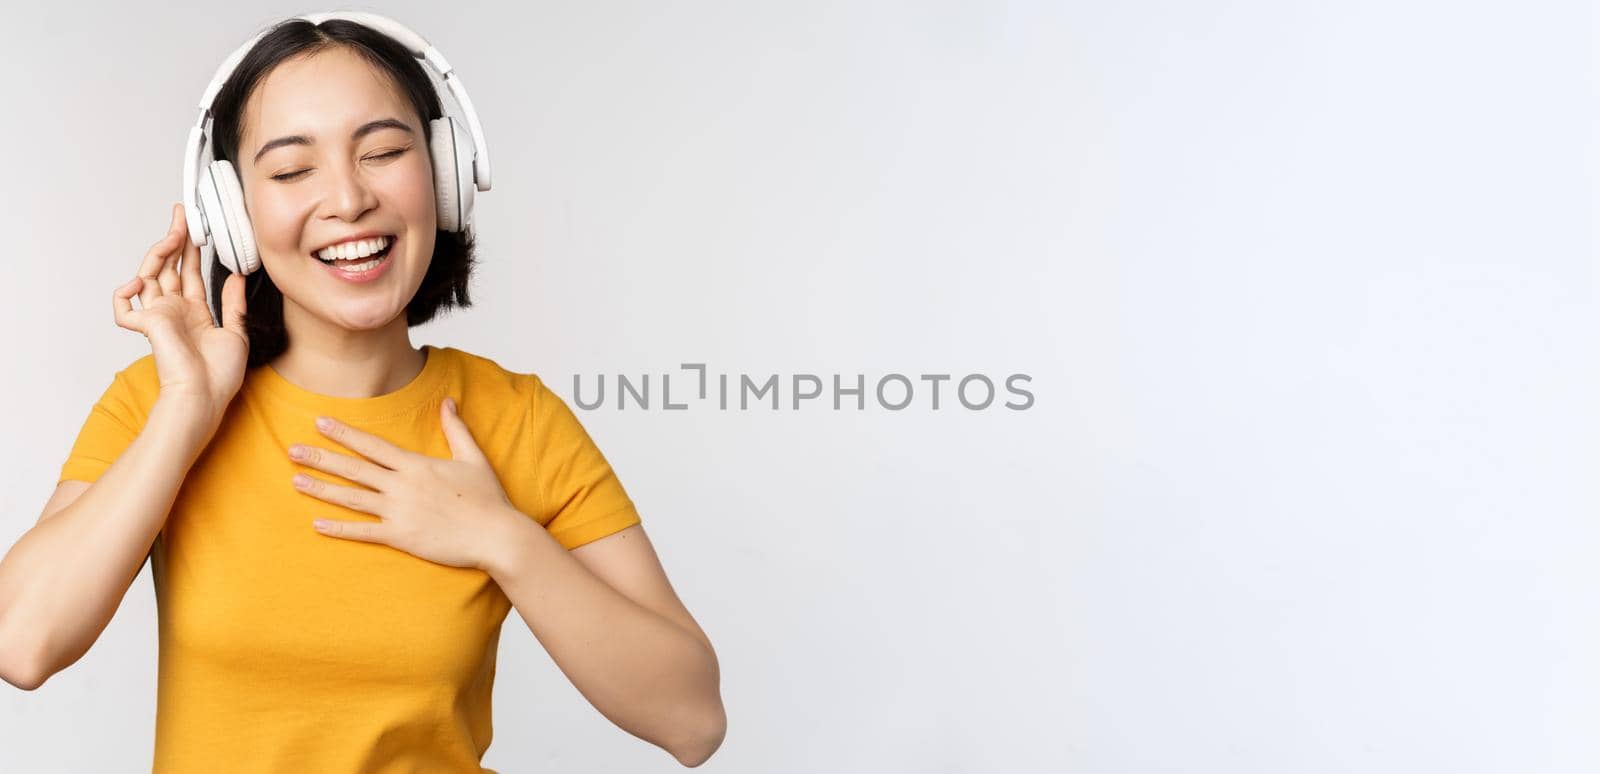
[[324, 423], [451, 402]]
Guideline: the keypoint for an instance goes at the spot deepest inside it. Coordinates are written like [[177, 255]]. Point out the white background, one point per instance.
[[1307, 293]]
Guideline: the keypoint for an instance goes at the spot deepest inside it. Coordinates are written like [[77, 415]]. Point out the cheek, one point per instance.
[[276, 218], [416, 191]]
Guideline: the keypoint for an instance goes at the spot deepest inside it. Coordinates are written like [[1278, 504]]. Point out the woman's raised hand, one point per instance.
[[199, 364]]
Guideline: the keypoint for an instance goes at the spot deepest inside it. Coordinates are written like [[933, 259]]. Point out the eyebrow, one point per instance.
[[360, 132]]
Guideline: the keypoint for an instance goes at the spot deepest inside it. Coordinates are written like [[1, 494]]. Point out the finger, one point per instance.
[[162, 245], [349, 497], [122, 305], [233, 304], [364, 531], [156, 258], [194, 285], [149, 291], [157, 253], [168, 276], [342, 465], [457, 434], [194, 282], [370, 446]]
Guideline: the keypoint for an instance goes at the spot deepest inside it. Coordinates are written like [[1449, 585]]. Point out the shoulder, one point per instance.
[[139, 381], [508, 382], [511, 388], [142, 370]]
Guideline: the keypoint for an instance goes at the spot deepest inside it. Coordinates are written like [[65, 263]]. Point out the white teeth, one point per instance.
[[359, 248]]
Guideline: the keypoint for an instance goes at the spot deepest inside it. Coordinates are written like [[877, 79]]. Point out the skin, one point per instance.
[[346, 340]]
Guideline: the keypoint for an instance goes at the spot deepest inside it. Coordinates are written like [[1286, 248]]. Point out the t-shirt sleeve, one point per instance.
[[576, 482], [113, 422]]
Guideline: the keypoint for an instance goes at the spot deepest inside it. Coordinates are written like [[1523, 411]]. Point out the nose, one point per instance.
[[350, 194]]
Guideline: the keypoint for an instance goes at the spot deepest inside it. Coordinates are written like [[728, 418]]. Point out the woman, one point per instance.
[[446, 489]]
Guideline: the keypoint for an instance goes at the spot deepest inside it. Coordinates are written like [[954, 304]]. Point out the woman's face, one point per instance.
[[348, 177]]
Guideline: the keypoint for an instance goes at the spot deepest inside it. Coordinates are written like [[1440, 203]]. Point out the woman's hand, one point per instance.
[[447, 511], [198, 362]]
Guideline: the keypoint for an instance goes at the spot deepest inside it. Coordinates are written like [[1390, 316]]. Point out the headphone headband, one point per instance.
[[196, 146]]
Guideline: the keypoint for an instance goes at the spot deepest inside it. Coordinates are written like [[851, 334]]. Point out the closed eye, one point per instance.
[[292, 175]]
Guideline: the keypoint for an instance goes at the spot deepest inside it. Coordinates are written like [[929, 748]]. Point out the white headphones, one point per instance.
[[213, 201]]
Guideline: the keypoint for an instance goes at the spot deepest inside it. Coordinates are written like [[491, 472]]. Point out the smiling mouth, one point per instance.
[[360, 264]]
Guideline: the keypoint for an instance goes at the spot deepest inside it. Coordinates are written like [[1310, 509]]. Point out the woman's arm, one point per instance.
[[634, 653], [64, 579]]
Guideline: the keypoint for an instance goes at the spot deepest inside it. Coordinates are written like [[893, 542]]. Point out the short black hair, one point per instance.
[[444, 286]]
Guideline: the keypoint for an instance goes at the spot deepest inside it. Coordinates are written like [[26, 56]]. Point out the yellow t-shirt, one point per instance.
[[282, 649]]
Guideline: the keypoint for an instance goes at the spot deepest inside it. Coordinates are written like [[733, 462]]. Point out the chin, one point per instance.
[[366, 319]]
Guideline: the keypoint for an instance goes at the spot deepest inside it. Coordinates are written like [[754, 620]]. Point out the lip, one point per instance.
[[362, 276]]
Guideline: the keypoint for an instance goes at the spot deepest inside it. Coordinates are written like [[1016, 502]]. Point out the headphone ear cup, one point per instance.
[[450, 151], [216, 226], [222, 199]]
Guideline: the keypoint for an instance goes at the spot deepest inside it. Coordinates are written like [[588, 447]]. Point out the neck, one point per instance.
[[343, 363]]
